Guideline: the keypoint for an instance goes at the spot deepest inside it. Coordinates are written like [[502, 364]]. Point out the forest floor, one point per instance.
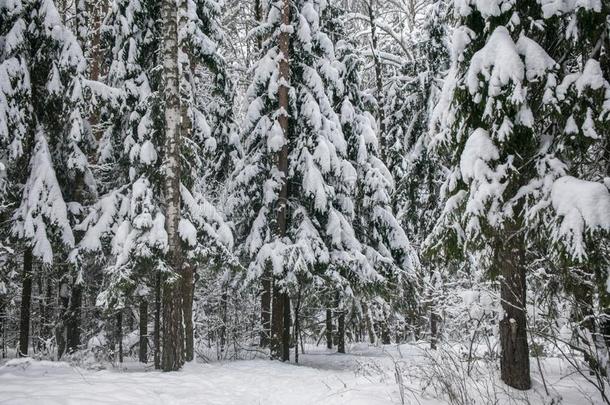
[[364, 376]]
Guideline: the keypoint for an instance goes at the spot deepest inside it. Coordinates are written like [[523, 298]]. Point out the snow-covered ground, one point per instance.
[[365, 376]]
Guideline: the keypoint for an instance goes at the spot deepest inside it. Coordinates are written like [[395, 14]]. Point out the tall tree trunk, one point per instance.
[[281, 301], [143, 352], [157, 331], [26, 299], [267, 279], [378, 80], [73, 318], [188, 271], [173, 321], [514, 363], [329, 328]]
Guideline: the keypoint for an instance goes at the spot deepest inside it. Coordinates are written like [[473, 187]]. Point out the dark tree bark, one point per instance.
[[60, 328], [73, 319], [281, 302], [26, 299], [514, 363], [329, 328], [157, 331], [143, 352], [119, 334], [286, 328], [187, 314], [341, 331], [277, 322]]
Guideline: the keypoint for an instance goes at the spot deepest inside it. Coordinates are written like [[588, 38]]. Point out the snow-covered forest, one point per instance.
[[305, 201]]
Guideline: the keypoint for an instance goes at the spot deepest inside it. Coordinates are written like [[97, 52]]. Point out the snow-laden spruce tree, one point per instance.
[[383, 240], [411, 98], [496, 127], [44, 138], [129, 223], [293, 194]]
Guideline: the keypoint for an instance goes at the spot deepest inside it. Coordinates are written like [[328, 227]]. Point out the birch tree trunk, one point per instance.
[[173, 326]]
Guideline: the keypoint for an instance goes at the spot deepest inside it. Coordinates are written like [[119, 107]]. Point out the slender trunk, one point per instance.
[[26, 299], [286, 328], [378, 80], [143, 331], [514, 363], [173, 321], [433, 328], [187, 314], [60, 328], [266, 282], [157, 331], [297, 326], [73, 319], [187, 279], [119, 334], [223, 327], [329, 328], [3, 320]]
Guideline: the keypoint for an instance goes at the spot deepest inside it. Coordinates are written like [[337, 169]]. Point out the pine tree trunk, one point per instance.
[[26, 299], [173, 321], [157, 331], [60, 328], [329, 328], [277, 322], [73, 319], [341, 331], [281, 302], [286, 328], [187, 314], [143, 352], [514, 363], [266, 282], [119, 334]]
